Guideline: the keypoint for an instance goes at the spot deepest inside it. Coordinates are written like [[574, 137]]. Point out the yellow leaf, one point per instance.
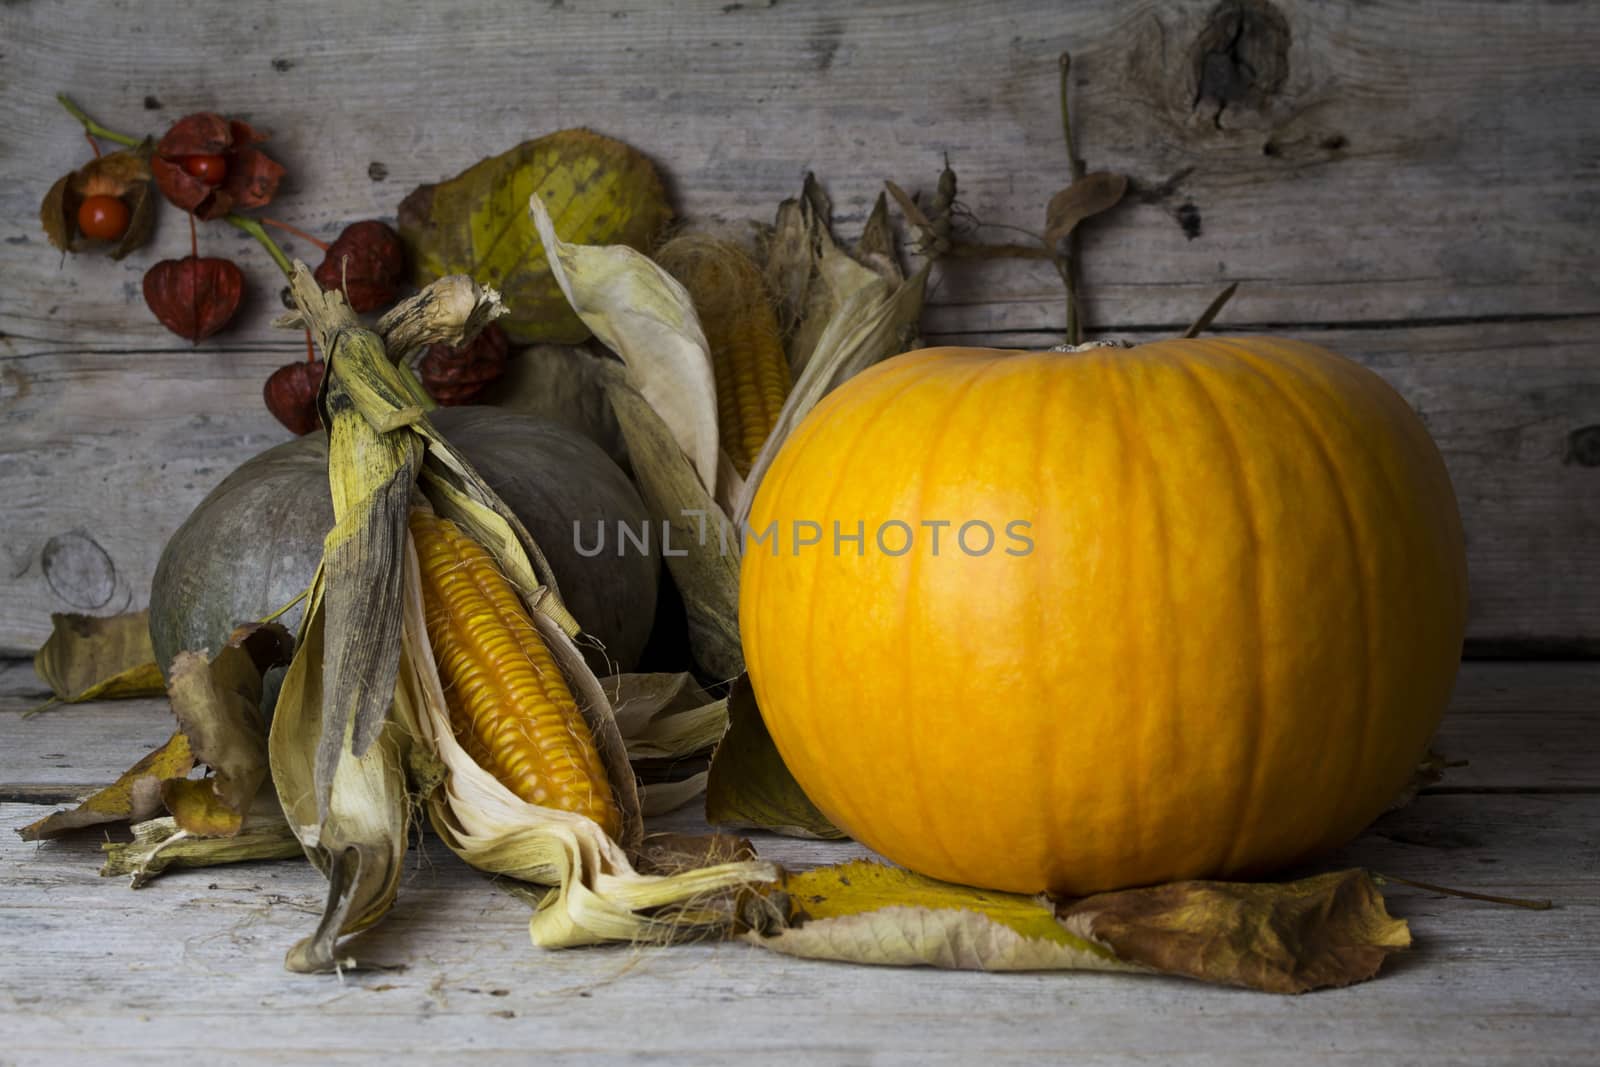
[[868, 912], [90, 657], [218, 707], [134, 796], [599, 190], [1284, 937]]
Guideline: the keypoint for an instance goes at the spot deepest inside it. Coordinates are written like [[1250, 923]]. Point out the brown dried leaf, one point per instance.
[[876, 247], [1329, 930], [218, 707], [133, 797], [749, 786], [89, 657], [1089, 195], [1288, 937], [790, 249]]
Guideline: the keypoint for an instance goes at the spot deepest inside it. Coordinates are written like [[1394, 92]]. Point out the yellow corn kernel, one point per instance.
[[509, 705], [752, 373]]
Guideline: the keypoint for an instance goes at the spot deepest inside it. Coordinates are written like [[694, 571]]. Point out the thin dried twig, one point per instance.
[[1212, 310], [1077, 169]]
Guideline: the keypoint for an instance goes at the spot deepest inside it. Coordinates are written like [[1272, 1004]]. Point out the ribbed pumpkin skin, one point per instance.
[[1234, 636]]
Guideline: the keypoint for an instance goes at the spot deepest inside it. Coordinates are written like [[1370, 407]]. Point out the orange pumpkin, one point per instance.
[[1219, 644]]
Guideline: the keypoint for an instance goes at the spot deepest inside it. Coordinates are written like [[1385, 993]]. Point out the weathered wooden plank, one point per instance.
[[1388, 166], [111, 973], [1370, 164], [1484, 982], [106, 453], [1528, 727]]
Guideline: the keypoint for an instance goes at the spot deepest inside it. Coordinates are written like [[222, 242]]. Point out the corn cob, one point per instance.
[[510, 708], [747, 359]]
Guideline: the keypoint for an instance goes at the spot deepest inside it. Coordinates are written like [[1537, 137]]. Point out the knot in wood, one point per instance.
[[1241, 58]]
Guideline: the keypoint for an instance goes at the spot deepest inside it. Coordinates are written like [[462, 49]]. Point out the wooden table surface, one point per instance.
[[1414, 184], [194, 959]]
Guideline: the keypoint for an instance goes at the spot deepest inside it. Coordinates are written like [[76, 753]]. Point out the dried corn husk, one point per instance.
[[665, 716], [598, 896], [641, 313], [663, 395], [704, 560], [361, 718], [160, 843]]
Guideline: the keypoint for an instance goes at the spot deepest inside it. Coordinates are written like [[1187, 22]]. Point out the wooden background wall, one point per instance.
[[1415, 184]]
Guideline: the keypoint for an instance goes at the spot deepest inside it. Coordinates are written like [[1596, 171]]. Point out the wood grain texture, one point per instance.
[[1413, 184], [136, 976], [1398, 171], [1416, 160], [92, 464], [1520, 727]]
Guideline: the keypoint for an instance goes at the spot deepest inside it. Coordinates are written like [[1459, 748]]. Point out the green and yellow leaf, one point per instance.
[[599, 190]]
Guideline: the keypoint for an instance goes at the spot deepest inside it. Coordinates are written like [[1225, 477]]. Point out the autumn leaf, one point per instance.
[[598, 191], [89, 657], [868, 912], [749, 786], [218, 706], [136, 795], [1089, 195], [1280, 937], [1285, 937]]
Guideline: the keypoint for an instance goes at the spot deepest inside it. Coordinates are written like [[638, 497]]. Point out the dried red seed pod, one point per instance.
[[195, 296], [367, 263], [291, 395], [457, 375], [251, 178]]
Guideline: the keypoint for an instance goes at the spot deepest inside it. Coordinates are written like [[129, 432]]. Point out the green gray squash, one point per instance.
[[254, 542]]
